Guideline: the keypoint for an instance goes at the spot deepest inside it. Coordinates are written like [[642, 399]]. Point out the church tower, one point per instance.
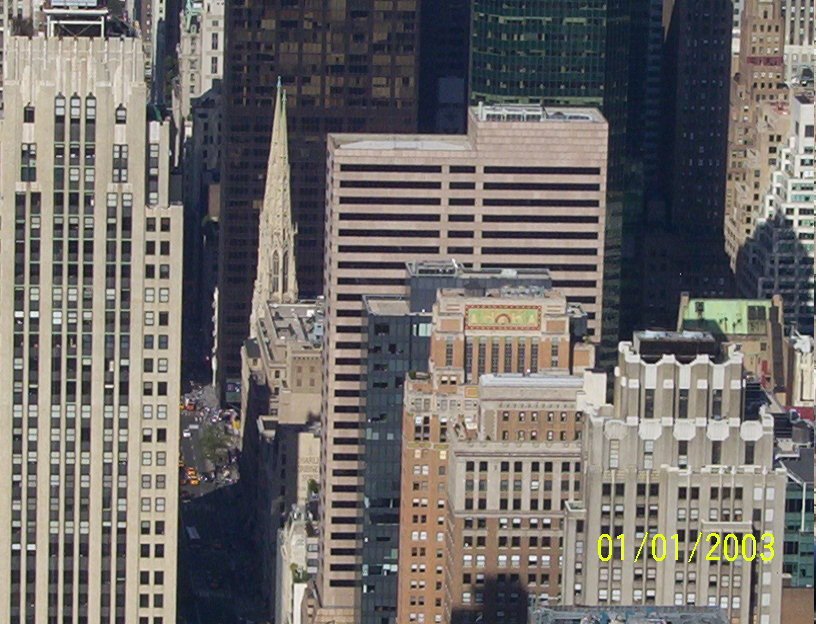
[[275, 279]]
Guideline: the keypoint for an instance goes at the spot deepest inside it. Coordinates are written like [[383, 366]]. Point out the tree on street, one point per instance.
[[214, 443]]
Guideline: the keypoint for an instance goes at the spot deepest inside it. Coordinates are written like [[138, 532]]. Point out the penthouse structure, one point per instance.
[[682, 451], [90, 338], [520, 174]]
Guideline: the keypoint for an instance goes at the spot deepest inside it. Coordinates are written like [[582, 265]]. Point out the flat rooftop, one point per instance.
[[534, 380], [534, 113], [298, 322], [387, 306], [478, 115], [801, 468], [627, 615]]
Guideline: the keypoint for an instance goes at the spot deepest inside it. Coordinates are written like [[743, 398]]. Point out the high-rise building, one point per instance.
[[521, 174], [682, 451], [748, 184], [443, 70], [756, 87], [540, 52], [348, 67], [487, 430], [780, 253], [683, 251], [527, 53], [197, 107], [797, 565], [800, 37], [397, 338], [90, 324]]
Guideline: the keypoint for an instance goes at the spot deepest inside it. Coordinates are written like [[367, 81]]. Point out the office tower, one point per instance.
[[797, 564], [683, 450], [90, 247], [394, 199], [494, 412], [520, 54], [800, 25], [200, 50], [683, 251], [571, 54], [748, 184], [443, 70], [197, 109], [348, 67], [758, 84], [397, 340], [780, 254]]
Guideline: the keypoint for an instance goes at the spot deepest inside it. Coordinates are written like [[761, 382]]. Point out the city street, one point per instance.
[[217, 584]]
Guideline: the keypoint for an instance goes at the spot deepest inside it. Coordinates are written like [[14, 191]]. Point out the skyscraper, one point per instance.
[[685, 451], [348, 67], [779, 256], [90, 323], [479, 198], [569, 54], [683, 251]]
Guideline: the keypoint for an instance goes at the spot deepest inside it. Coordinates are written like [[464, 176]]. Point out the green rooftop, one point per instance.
[[727, 316]]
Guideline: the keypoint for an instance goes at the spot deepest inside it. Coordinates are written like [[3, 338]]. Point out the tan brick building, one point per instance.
[[488, 452]]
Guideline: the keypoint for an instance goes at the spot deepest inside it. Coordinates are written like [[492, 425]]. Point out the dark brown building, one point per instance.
[[348, 66]]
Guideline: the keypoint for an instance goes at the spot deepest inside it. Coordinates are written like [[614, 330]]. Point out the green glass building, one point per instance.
[[570, 53], [797, 564], [550, 52]]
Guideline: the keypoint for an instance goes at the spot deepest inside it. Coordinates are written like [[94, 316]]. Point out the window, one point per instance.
[[28, 114], [120, 163], [28, 162], [648, 408], [682, 404], [614, 453], [121, 114]]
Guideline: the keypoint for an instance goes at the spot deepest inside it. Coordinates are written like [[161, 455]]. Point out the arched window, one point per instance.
[[285, 276], [275, 272]]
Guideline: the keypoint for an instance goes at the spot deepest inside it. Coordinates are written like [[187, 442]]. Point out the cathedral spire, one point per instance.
[[276, 278]]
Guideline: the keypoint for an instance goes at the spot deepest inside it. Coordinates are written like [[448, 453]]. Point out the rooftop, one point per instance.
[[534, 113], [387, 306], [727, 316], [297, 322], [801, 468], [626, 615], [479, 115], [652, 345], [534, 380]]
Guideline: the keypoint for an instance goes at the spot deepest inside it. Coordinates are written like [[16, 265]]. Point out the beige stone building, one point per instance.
[[498, 412], [681, 452], [524, 188], [759, 80], [90, 338]]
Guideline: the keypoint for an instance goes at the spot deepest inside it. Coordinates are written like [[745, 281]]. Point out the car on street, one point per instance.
[[186, 433]]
